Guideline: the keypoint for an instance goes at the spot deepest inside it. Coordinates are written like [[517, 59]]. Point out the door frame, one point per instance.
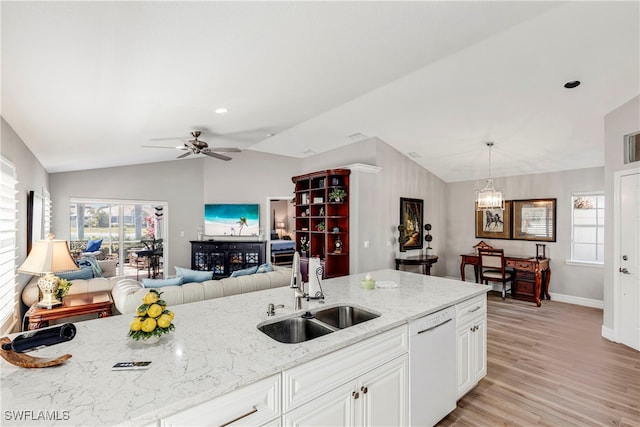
[[617, 293], [267, 233]]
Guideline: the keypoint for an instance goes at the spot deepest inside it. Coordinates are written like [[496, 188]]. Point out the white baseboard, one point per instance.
[[608, 333], [570, 299]]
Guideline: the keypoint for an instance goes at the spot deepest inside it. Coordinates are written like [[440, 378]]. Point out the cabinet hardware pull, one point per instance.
[[475, 309], [364, 390], [624, 271], [253, 411], [434, 327], [355, 394]]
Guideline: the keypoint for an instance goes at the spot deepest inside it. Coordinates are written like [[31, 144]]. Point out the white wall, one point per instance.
[[31, 177], [375, 201], [622, 121], [575, 281]]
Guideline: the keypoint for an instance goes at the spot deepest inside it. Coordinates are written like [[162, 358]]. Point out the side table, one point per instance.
[[426, 261], [72, 305]]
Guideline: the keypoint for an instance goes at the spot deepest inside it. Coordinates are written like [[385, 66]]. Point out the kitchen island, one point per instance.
[[215, 349]]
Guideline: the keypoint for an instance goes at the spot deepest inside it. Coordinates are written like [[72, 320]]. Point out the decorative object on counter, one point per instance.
[[13, 351], [428, 238], [411, 219], [368, 282], [338, 245], [320, 227], [489, 197], [46, 258], [152, 320], [541, 251], [315, 275], [337, 195]]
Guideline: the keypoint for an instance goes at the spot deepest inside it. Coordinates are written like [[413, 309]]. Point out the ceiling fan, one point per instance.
[[197, 146]]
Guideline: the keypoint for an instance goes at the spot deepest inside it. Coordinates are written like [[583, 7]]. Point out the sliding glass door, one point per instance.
[[128, 230]]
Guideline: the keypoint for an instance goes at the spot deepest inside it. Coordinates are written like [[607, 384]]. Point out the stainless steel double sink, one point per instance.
[[315, 324]]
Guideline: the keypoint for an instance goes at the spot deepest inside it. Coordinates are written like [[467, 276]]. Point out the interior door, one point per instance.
[[628, 267]]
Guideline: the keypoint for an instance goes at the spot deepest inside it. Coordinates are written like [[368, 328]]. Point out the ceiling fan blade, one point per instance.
[[216, 155], [157, 146], [225, 149], [183, 155]]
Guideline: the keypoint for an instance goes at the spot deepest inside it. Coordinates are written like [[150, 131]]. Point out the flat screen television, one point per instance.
[[226, 219]]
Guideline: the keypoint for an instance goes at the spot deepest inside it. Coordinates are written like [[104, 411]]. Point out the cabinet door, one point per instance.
[[463, 354], [334, 408], [479, 354], [384, 395]]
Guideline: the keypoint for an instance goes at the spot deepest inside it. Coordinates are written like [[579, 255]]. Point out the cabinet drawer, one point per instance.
[[255, 404], [524, 288], [315, 378], [470, 309]]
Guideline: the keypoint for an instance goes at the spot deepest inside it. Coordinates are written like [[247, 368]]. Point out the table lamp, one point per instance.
[[280, 227], [46, 258]]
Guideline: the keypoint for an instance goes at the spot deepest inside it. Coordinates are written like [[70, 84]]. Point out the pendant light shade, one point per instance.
[[489, 197]]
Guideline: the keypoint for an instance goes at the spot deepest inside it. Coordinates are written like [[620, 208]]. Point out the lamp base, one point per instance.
[[48, 285]]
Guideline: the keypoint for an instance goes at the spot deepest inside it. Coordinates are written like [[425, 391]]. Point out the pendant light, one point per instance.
[[489, 197]]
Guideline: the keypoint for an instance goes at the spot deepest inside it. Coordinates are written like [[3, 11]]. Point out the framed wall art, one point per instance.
[[534, 219], [411, 223], [494, 223]]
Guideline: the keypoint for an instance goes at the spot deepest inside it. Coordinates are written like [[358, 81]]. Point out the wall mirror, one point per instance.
[[534, 219]]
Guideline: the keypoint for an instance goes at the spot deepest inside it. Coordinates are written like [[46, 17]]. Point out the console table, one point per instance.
[[225, 257], [532, 276], [426, 261], [72, 305]]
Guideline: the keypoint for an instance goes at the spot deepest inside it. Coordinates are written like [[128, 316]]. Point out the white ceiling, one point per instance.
[[86, 84]]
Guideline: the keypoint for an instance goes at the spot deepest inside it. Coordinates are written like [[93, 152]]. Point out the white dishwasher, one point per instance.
[[432, 368]]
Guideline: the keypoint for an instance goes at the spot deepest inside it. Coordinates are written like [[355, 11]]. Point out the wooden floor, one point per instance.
[[550, 366]]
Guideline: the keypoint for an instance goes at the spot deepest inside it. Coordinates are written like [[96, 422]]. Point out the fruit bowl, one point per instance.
[[152, 318]]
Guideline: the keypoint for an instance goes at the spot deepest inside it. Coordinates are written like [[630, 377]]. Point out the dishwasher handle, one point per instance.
[[434, 326]]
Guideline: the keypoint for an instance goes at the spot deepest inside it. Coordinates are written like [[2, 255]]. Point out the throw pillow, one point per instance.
[[245, 272], [265, 268], [193, 275], [161, 283], [93, 245], [92, 263], [83, 273]]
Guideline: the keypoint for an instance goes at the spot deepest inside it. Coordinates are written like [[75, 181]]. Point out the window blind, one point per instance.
[[8, 203]]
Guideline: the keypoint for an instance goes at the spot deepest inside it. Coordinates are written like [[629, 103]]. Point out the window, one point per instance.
[[122, 226], [587, 239], [8, 301]]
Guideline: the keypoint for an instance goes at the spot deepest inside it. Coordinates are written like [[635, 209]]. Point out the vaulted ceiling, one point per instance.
[[88, 84]]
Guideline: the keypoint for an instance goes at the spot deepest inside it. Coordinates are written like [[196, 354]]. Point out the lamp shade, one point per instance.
[[280, 225], [489, 197], [48, 256]]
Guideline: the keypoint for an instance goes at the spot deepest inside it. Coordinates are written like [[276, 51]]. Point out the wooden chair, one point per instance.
[[492, 267]]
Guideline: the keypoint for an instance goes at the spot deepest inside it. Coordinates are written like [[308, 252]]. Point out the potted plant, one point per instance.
[[337, 195], [321, 226], [304, 246]]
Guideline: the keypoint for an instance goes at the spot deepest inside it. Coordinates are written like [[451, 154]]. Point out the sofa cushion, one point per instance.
[[161, 283], [93, 245], [83, 273], [189, 276]]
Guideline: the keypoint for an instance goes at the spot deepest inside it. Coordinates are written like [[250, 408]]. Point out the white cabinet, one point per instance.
[[471, 343], [363, 384], [378, 397], [257, 404]]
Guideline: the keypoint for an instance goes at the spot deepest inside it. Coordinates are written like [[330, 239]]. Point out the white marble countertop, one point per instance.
[[215, 348]]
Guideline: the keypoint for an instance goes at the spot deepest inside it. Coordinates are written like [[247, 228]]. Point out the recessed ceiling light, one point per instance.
[[414, 155], [221, 110], [572, 84], [357, 136]]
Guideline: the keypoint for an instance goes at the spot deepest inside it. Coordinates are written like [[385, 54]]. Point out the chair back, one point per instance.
[[491, 259]]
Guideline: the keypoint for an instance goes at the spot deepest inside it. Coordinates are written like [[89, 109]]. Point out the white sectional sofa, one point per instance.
[[127, 294]]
